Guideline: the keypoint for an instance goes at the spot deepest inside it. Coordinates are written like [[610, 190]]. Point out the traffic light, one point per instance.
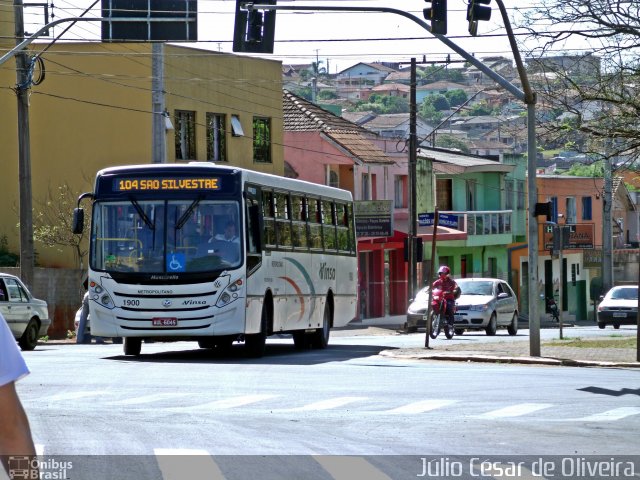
[[477, 12], [437, 15], [254, 30]]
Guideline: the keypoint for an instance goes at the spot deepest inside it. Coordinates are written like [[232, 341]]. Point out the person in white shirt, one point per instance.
[[229, 234], [15, 433]]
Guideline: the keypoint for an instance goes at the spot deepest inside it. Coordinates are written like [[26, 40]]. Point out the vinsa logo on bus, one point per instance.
[[327, 273]]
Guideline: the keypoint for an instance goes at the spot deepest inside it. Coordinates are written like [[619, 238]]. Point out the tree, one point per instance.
[[456, 97], [451, 142], [598, 90], [382, 104], [52, 218], [429, 112], [595, 169]]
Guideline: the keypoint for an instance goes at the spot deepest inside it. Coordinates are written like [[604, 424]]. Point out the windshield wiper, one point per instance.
[[147, 221], [185, 216]]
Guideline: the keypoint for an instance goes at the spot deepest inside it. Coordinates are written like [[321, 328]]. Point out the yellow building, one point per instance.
[[94, 109]]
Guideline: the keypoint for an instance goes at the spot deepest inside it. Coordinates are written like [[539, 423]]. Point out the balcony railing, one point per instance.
[[486, 222]]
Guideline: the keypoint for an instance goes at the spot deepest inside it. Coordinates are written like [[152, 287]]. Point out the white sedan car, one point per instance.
[[27, 317], [486, 304]]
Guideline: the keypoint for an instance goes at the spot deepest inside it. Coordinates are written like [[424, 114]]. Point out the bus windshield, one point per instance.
[[166, 236]]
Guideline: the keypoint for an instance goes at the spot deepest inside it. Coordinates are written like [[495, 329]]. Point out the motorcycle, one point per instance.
[[553, 308], [439, 315]]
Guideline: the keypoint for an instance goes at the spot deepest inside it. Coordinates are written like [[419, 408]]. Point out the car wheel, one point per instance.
[[616, 326], [29, 338], [459, 331], [601, 325], [320, 338], [132, 346], [513, 326], [255, 344], [492, 327]]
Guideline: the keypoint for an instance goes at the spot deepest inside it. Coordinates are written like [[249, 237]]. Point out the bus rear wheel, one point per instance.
[[321, 335], [132, 346]]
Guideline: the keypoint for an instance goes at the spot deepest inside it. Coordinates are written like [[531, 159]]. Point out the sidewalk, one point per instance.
[[511, 349]]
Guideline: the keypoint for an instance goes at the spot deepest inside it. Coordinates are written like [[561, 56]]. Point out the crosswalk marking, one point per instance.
[[610, 415], [225, 404], [348, 468], [515, 410], [178, 464], [75, 395], [149, 398], [422, 406], [329, 404]]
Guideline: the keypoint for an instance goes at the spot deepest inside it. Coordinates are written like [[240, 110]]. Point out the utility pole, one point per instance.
[[413, 146], [159, 131], [24, 151]]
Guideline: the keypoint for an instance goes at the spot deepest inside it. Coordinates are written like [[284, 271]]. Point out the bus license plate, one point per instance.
[[164, 322]]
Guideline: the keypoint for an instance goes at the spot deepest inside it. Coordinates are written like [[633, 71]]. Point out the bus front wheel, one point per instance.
[[255, 343], [132, 346]]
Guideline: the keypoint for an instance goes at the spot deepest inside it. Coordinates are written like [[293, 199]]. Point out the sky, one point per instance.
[[336, 39]]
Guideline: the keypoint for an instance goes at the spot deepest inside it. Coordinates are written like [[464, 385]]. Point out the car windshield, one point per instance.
[[624, 294], [476, 288]]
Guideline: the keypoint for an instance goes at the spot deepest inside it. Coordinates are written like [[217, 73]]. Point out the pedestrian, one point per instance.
[[15, 433], [81, 336]]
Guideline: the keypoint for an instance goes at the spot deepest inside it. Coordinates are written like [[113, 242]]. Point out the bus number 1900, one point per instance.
[[131, 303]]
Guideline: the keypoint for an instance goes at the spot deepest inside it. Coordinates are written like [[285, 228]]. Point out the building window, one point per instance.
[[334, 181], [261, 140], [400, 196], [508, 190], [586, 208], [185, 132], [365, 187], [521, 194], [216, 140], [571, 210]]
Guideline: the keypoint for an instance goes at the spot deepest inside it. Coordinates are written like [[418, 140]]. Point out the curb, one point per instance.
[[461, 357]]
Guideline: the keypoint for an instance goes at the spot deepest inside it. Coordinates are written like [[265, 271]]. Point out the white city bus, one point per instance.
[[217, 254]]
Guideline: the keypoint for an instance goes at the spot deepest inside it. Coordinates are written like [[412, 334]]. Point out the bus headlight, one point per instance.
[[229, 294], [99, 295]]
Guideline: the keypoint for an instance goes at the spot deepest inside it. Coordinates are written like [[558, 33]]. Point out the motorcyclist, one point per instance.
[[449, 287]]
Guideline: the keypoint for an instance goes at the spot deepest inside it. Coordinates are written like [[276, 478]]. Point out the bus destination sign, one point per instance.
[[164, 184]]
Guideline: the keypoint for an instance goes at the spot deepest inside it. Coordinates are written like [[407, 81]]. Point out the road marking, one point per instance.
[[180, 463], [148, 398], [348, 468], [515, 410], [328, 404], [609, 415], [422, 406], [75, 395], [225, 403]]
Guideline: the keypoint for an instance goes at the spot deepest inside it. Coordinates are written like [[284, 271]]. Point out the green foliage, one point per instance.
[[596, 169], [480, 108], [327, 95], [429, 113], [456, 97], [7, 259], [451, 142], [436, 73], [383, 104]]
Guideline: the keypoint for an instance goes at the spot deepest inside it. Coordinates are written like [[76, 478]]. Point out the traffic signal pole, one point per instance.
[[526, 95]]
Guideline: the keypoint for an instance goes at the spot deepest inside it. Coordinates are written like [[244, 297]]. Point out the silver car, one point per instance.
[[27, 317], [487, 304]]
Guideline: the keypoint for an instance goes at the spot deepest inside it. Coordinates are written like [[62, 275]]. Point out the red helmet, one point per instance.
[[444, 269]]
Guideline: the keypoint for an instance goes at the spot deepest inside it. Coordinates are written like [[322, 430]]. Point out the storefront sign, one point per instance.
[[374, 218]]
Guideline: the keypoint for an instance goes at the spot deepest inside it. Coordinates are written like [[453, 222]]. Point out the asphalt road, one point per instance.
[[177, 399]]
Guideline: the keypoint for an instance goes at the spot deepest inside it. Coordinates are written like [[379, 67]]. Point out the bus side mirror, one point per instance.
[[78, 221], [257, 226]]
